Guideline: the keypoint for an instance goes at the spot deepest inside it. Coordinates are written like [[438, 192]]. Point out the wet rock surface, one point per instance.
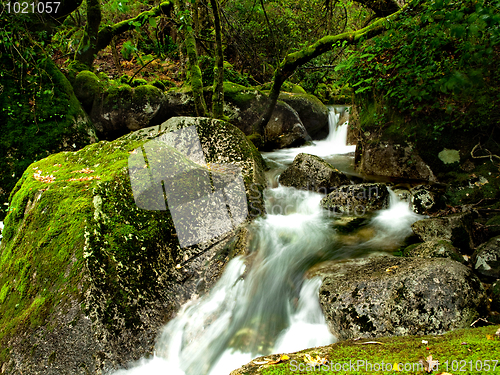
[[309, 172], [394, 160], [434, 249], [389, 296], [357, 199], [486, 259]]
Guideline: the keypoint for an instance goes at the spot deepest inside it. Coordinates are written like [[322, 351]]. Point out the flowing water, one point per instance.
[[333, 148], [263, 303]]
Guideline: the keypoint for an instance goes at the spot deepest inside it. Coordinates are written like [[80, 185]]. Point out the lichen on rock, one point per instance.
[[390, 296]]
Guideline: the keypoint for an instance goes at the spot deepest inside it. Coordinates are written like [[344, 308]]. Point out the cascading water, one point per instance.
[[263, 304], [334, 144]]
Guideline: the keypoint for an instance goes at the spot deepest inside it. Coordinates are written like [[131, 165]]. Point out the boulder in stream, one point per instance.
[[434, 249], [310, 172], [486, 259], [357, 200], [392, 296], [394, 160], [92, 265], [456, 228]]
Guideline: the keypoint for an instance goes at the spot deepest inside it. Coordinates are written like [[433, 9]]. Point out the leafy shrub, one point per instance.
[[438, 62]]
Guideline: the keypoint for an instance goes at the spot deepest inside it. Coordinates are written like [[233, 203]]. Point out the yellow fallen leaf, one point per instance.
[[282, 358], [318, 361], [395, 367], [490, 337]]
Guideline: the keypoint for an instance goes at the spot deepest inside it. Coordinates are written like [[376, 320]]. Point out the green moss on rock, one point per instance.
[[87, 87]]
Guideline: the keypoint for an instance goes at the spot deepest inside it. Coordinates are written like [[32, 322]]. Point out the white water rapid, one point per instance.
[[263, 303]]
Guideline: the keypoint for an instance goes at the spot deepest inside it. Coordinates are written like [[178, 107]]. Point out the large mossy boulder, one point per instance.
[[88, 87], [392, 296], [294, 116], [245, 105], [357, 200], [310, 172], [121, 109], [87, 276], [456, 228]]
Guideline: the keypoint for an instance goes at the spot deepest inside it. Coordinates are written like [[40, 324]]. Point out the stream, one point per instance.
[[264, 303]]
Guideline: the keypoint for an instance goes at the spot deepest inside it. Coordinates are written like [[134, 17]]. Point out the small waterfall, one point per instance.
[[334, 144], [393, 225]]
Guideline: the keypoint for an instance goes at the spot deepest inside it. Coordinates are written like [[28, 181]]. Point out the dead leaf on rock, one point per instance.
[[429, 364], [282, 358], [318, 361]]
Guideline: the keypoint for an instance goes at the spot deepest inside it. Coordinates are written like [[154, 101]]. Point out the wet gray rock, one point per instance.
[[456, 228], [310, 172], [356, 200], [486, 259], [434, 249], [392, 296], [403, 194], [394, 160], [285, 128], [423, 199]]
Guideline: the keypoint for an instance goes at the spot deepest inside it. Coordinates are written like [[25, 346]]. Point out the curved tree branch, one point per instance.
[[107, 33], [293, 60]]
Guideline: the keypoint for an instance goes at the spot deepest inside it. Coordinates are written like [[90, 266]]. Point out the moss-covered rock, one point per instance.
[[244, 105], [87, 88], [312, 112], [88, 278], [392, 296], [121, 109], [434, 249]]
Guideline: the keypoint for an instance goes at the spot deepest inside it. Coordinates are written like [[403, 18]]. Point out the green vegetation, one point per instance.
[[433, 71]]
